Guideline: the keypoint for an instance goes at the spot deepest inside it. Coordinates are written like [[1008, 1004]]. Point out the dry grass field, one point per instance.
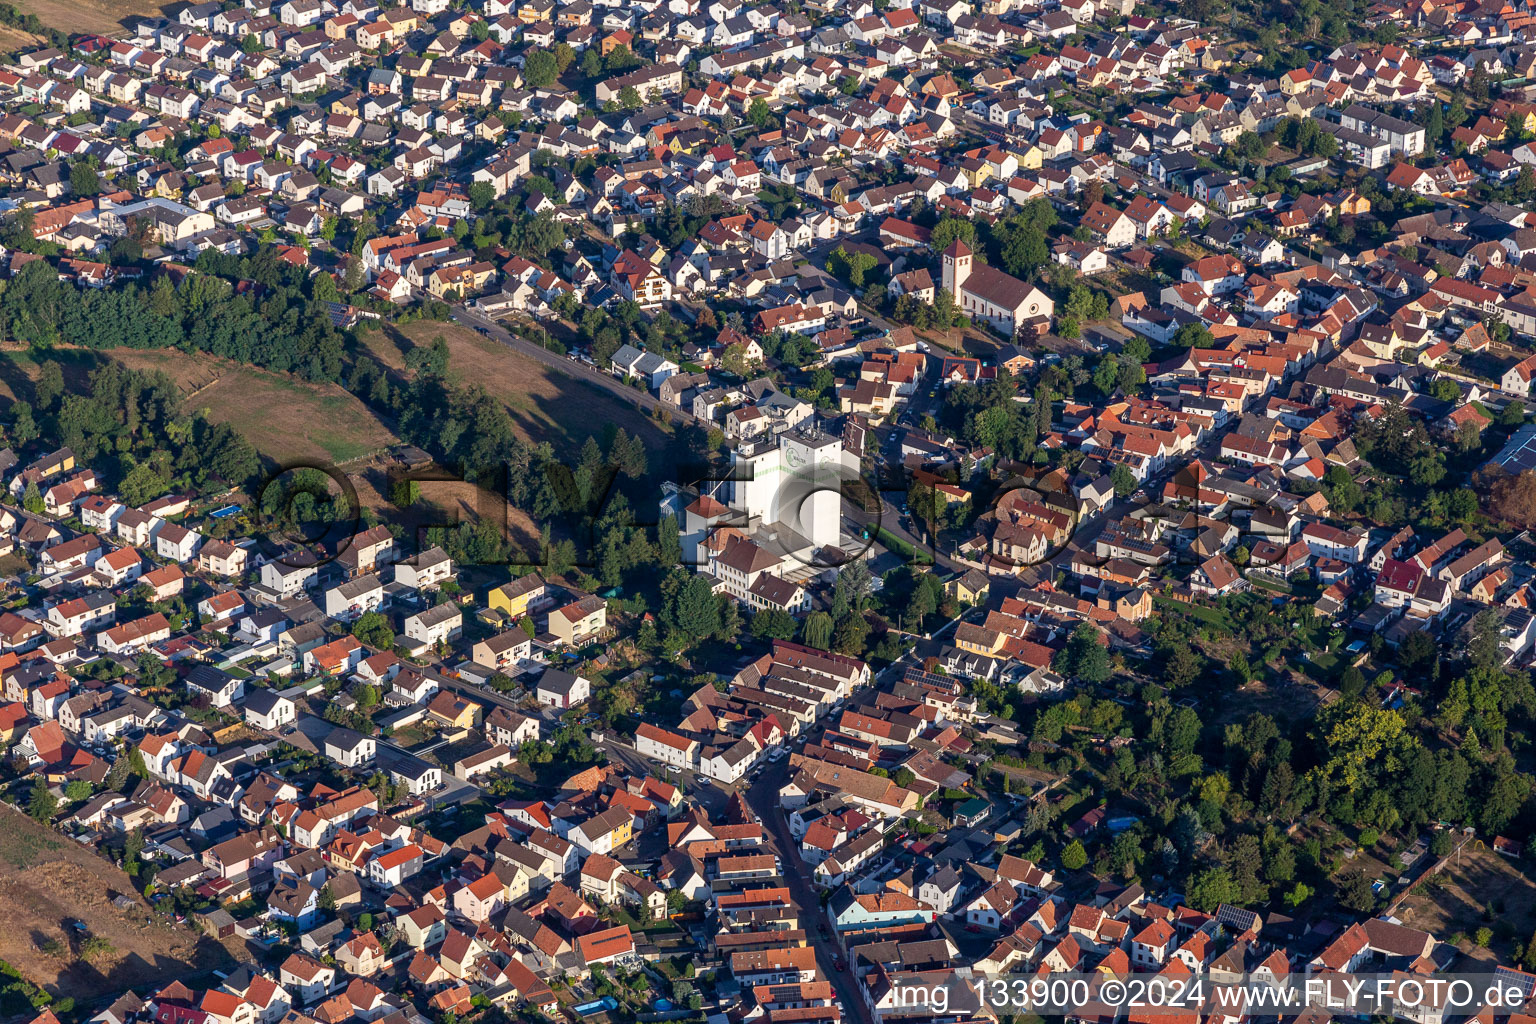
[[103, 16], [47, 880], [287, 419], [545, 404], [13, 40], [1458, 899], [445, 503]]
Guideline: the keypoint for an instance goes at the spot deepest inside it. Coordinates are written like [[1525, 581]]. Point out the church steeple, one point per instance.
[[957, 266]]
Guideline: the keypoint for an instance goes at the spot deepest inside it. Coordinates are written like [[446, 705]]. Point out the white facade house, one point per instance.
[[350, 748], [665, 746], [438, 625], [349, 601], [267, 709]]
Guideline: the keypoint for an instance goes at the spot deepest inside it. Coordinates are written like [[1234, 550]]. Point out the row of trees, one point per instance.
[[255, 310]]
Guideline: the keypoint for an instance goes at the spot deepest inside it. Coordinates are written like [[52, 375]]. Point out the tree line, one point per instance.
[[254, 309]]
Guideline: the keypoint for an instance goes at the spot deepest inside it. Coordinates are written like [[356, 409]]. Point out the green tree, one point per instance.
[[1123, 479], [42, 804], [1485, 650], [83, 179], [1183, 731], [23, 426], [1073, 856], [850, 636], [1525, 184], [375, 630], [49, 389], [1250, 147], [482, 194], [404, 493], [143, 483], [1213, 887], [758, 113], [773, 624], [943, 309], [695, 611], [1025, 250], [621, 58], [951, 229], [1106, 376], [1084, 657], [1193, 335], [540, 69], [850, 267], [817, 631], [1434, 125], [1355, 892]]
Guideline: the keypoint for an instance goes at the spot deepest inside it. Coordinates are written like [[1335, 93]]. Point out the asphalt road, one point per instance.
[[763, 798]]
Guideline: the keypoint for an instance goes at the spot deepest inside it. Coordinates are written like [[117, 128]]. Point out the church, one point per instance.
[[986, 293]]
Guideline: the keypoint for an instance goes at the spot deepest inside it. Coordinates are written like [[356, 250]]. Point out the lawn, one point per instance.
[[1263, 582], [895, 544], [1325, 662], [412, 735], [1205, 613], [546, 404], [623, 915]]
